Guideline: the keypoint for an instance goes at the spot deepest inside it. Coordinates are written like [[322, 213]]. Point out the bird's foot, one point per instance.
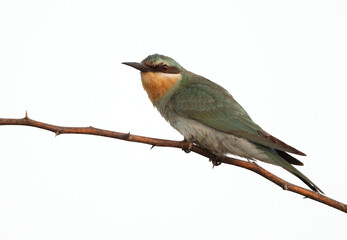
[[188, 148], [215, 162], [252, 161]]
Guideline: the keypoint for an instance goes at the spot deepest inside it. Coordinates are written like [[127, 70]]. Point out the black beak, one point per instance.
[[138, 66]]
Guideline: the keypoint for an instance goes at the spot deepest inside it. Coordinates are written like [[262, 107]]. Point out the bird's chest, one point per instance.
[[157, 84]]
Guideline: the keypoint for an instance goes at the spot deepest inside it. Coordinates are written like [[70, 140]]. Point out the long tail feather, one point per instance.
[[281, 159], [289, 158]]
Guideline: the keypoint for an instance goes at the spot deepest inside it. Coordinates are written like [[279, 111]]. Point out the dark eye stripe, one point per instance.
[[169, 69], [161, 67]]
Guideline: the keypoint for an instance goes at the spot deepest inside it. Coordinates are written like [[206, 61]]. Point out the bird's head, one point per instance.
[[159, 74]]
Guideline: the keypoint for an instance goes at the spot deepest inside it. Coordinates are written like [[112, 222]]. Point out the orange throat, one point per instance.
[[157, 84]]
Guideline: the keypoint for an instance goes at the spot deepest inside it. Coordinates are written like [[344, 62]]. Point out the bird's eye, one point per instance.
[[164, 67]]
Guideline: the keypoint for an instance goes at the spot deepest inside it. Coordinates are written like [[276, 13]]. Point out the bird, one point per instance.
[[207, 115]]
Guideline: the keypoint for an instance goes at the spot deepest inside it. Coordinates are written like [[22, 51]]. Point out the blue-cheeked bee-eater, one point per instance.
[[207, 115]]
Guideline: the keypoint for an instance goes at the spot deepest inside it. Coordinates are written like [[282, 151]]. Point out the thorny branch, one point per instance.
[[182, 145]]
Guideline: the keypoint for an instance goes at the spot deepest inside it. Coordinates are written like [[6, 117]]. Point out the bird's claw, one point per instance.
[[188, 149], [252, 161], [215, 162]]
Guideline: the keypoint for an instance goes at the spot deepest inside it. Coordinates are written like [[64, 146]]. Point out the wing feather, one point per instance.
[[213, 106]]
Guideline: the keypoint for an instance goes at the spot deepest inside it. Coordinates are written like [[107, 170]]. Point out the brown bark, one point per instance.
[[182, 145]]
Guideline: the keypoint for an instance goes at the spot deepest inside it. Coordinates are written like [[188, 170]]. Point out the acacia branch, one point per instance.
[[182, 145]]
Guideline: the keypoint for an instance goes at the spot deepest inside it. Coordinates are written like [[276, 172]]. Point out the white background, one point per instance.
[[284, 61]]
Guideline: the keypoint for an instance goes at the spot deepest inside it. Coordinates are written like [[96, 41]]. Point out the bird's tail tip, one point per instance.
[[310, 184]]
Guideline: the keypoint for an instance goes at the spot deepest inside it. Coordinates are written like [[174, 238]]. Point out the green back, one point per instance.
[[202, 100]]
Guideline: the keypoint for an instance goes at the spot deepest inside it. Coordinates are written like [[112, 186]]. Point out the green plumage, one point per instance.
[[205, 101], [206, 114]]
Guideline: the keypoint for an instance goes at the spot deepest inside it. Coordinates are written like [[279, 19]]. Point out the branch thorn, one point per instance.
[[285, 187]]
